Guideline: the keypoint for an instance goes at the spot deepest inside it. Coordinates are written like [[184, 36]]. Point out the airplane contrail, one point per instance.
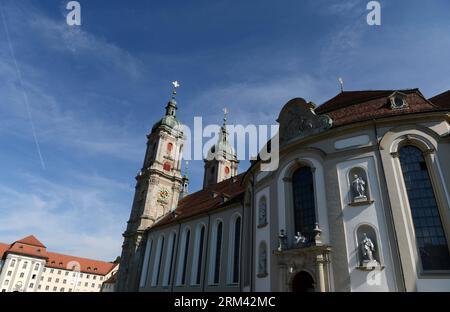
[[25, 96]]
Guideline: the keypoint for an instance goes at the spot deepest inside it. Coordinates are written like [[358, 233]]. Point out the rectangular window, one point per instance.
[[9, 273]]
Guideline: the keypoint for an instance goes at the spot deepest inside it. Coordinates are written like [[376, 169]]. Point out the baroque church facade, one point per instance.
[[359, 202]]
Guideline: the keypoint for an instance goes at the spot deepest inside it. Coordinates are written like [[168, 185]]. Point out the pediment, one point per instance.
[[297, 119]]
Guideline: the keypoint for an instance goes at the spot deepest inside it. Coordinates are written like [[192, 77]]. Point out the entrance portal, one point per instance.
[[303, 282]]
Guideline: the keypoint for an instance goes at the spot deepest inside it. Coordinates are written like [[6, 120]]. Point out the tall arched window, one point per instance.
[[186, 253], [217, 253], [430, 236], [181, 278], [169, 259], [236, 250], [148, 248], [304, 201], [198, 257], [158, 261]]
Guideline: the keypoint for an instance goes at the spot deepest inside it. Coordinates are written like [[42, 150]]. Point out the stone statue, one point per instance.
[[359, 187], [262, 214], [367, 249], [300, 240], [262, 262], [282, 241]]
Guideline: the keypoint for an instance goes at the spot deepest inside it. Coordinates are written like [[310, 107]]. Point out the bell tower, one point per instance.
[[157, 191], [221, 163]]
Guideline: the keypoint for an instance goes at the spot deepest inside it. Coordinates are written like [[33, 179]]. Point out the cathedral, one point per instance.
[[359, 202]]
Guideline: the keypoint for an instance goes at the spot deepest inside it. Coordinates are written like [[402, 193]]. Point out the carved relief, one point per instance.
[[298, 119]]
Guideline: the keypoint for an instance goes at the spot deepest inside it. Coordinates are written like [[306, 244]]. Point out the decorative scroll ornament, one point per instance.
[[297, 120]]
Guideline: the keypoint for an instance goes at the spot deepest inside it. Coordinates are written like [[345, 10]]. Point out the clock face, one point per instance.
[[163, 194]]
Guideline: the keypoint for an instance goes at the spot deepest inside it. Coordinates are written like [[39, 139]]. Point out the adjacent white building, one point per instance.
[[27, 266]]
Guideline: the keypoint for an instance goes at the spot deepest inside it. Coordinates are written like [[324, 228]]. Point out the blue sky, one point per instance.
[[93, 92]]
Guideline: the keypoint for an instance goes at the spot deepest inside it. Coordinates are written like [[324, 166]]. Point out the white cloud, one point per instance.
[[82, 218]]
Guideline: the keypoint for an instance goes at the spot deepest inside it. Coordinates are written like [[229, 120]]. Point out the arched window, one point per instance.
[[186, 253], [262, 212], [169, 259], [236, 250], [36, 267], [148, 248], [430, 236], [198, 257], [181, 275], [216, 253], [13, 262], [169, 147], [158, 260], [304, 201], [262, 259]]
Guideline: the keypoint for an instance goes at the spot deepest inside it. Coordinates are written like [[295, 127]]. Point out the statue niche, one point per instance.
[[368, 251], [359, 187]]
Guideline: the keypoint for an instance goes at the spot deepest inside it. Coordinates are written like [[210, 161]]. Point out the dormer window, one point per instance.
[[398, 100]]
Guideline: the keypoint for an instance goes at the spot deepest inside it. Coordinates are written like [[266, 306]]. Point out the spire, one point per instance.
[[186, 170], [172, 105], [185, 186], [223, 129]]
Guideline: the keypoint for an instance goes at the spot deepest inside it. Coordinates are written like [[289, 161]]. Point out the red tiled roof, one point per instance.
[[212, 197], [31, 240], [442, 100], [355, 106], [28, 250], [60, 261], [32, 247], [3, 249]]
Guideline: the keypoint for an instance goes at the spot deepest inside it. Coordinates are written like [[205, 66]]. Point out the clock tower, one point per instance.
[[158, 187]]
